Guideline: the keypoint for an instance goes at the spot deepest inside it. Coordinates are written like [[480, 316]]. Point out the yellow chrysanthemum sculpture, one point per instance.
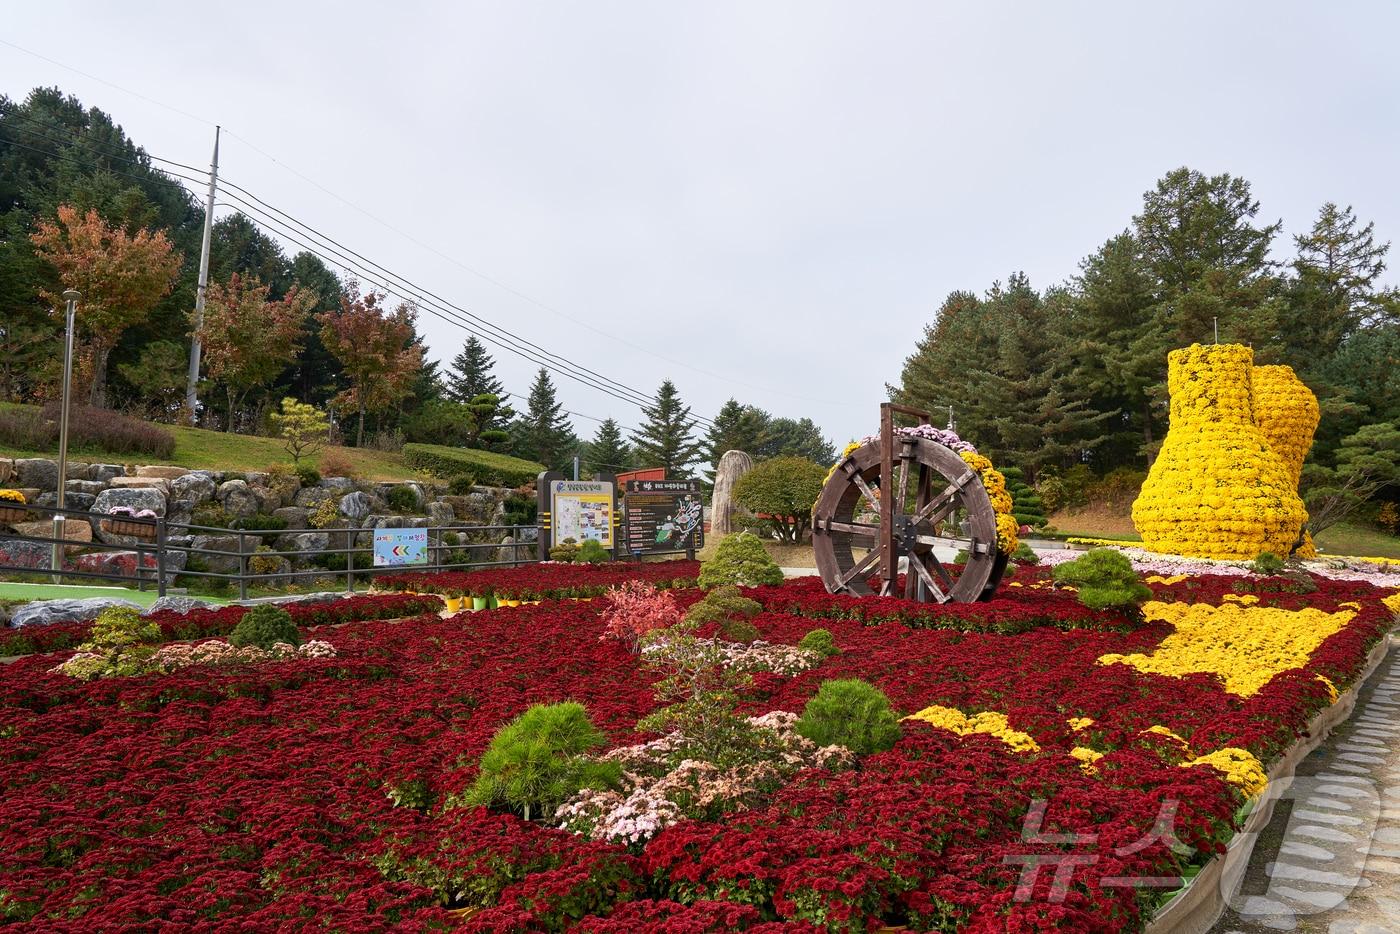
[[1288, 414], [1217, 488]]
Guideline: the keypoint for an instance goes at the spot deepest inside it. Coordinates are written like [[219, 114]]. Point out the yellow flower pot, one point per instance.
[[1217, 489], [454, 604]]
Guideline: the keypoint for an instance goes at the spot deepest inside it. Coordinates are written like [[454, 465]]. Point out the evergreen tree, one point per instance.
[[1210, 261], [471, 373], [544, 434], [667, 439], [788, 437], [608, 451], [735, 428], [1115, 293], [1334, 293]]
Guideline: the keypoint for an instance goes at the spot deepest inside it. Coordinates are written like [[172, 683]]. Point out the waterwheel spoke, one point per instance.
[[915, 563], [943, 574], [860, 529], [901, 486], [861, 566], [867, 492]]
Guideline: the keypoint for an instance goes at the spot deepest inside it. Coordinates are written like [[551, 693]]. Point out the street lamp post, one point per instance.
[[70, 296]]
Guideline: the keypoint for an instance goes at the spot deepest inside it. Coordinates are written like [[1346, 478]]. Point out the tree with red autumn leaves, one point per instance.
[[121, 276], [248, 338], [375, 349]]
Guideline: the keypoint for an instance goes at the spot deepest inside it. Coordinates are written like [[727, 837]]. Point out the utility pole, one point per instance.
[[70, 299], [192, 386]]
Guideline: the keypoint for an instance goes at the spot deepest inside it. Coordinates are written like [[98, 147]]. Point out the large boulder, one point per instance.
[[724, 511], [237, 499], [294, 516], [7, 469], [311, 497], [74, 530], [104, 472], [315, 543], [176, 603], [136, 499], [90, 487], [37, 472], [140, 483], [355, 506], [47, 612], [226, 562], [194, 488], [78, 502], [15, 553], [440, 513], [340, 485], [162, 472], [269, 500]]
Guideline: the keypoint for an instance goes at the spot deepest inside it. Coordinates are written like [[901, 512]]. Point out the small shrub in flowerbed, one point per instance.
[[742, 560], [259, 796], [1105, 579], [263, 627], [852, 713]]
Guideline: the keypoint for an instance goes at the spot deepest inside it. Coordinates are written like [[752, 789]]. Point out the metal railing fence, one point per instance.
[[158, 540]]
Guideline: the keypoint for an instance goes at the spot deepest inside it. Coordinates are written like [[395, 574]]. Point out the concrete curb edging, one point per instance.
[[1196, 909]]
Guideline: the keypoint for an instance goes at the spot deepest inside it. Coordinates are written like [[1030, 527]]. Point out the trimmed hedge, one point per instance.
[[487, 467]]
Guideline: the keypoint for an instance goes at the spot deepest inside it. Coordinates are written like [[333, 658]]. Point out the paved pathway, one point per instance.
[[1329, 860]]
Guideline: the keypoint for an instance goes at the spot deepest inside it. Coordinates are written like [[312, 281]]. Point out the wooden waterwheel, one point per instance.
[[938, 502]]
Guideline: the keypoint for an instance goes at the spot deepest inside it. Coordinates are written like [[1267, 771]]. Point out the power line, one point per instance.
[[468, 268], [505, 334], [446, 311]]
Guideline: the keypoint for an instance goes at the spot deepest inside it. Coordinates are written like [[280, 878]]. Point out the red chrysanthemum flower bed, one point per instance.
[[310, 793]]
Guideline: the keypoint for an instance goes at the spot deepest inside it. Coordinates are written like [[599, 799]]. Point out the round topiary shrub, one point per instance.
[[591, 552], [820, 641], [539, 760], [722, 604], [1105, 579], [740, 559], [264, 626], [852, 713]]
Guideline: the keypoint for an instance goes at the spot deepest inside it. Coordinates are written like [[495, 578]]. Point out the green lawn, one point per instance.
[[1362, 541], [217, 450], [1342, 539], [23, 593]]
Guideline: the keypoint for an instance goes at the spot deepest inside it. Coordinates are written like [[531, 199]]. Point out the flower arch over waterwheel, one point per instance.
[[859, 533]]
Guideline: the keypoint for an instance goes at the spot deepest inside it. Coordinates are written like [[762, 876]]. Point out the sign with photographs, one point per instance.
[[581, 510]]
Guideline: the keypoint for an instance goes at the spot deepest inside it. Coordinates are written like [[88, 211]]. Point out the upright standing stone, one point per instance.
[[724, 512]]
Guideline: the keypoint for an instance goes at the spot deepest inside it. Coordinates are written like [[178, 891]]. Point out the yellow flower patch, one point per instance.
[[993, 724], [1239, 766], [1245, 645], [1159, 579], [1087, 757], [1392, 603], [1079, 723]]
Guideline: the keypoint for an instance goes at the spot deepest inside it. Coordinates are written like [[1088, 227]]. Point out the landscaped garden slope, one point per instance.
[[199, 448], [334, 791]]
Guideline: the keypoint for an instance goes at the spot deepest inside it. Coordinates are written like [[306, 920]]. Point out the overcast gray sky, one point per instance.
[[777, 195]]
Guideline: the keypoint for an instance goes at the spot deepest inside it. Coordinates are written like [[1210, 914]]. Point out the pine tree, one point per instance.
[[735, 428], [1334, 293], [543, 433], [471, 373], [1120, 347], [668, 437], [608, 451]]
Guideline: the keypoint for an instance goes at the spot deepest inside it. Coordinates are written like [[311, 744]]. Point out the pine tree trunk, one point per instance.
[[232, 404], [360, 432]]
